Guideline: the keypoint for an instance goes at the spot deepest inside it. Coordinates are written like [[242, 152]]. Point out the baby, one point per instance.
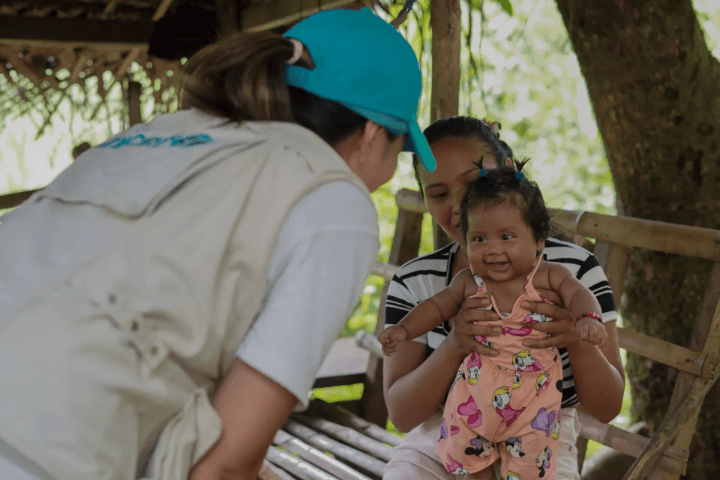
[[506, 406]]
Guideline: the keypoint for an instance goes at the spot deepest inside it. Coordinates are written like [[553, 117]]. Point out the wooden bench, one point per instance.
[[663, 456]]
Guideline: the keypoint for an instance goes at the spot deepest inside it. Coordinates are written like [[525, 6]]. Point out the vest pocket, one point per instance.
[[185, 439]]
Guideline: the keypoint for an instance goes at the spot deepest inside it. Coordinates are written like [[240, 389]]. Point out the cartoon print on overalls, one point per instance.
[[512, 476], [455, 467], [470, 410], [474, 364], [533, 317], [544, 421], [523, 361], [542, 382], [501, 404], [483, 341], [514, 446], [543, 461], [556, 428], [480, 447], [460, 375], [517, 381], [518, 332], [444, 430]]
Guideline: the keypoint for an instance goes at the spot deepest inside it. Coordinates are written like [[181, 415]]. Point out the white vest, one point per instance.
[[103, 359]]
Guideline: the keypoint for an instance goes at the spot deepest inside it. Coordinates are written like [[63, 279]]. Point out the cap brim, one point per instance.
[[418, 144]]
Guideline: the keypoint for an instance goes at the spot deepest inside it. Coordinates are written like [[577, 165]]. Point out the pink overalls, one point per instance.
[[506, 406]]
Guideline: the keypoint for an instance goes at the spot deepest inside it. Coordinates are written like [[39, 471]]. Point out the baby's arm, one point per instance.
[[430, 313], [579, 300]]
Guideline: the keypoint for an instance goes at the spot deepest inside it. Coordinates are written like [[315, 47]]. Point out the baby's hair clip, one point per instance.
[[482, 172], [519, 175]]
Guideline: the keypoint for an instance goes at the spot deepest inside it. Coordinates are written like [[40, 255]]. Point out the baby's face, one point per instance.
[[501, 246]]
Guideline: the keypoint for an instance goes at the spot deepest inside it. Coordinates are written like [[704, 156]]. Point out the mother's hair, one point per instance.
[[464, 127]]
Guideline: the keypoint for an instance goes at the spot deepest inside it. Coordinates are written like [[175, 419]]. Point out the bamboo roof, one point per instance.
[[57, 43]]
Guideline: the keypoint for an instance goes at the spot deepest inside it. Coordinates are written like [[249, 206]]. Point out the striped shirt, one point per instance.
[[425, 276]]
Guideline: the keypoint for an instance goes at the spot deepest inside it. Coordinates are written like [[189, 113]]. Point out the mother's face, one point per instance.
[[444, 188]]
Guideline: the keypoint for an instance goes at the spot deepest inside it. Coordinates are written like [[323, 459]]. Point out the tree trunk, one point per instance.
[[655, 90]]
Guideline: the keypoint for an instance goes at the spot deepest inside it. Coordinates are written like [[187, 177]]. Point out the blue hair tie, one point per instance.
[[482, 173], [519, 175]]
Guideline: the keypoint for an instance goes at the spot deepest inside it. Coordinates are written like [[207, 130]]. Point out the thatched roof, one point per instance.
[[58, 43]]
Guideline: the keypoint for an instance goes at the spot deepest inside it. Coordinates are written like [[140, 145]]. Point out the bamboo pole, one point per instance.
[[340, 450], [410, 200], [316, 457], [705, 338], [446, 26], [405, 247], [661, 351], [111, 6], [347, 435], [343, 417], [648, 234], [372, 404], [134, 90], [646, 462], [384, 270], [633, 232], [79, 65], [297, 467], [119, 73], [673, 459], [161, 10], [614, 260]]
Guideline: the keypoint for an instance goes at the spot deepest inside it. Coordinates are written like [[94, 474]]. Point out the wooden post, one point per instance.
[[445, 22], [405, 247], [614, 259], [134, 114]]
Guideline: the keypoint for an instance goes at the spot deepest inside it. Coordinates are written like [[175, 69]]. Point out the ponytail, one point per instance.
[[242, 78]]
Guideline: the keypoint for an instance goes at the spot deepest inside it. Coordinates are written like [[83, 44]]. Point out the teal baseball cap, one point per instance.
[[364, 64]]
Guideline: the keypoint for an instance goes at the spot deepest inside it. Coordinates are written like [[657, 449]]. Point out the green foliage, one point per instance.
[[506, 5]]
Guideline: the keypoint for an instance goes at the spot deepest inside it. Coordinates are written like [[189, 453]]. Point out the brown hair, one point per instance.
[[242, 77]]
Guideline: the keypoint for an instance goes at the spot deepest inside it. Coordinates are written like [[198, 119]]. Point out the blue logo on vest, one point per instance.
[[140, 140]]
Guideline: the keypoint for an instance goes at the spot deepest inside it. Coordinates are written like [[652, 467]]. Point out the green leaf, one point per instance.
[[506, 5]]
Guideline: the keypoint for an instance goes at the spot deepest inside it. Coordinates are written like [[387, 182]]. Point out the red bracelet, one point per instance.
[[589, 315]]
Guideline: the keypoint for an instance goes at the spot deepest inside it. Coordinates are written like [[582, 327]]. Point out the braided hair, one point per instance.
[[493, 187]]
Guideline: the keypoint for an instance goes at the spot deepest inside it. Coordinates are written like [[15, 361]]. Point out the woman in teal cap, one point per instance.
[[179, 287]]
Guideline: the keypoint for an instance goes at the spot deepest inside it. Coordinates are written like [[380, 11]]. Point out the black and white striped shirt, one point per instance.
[[425, 276]]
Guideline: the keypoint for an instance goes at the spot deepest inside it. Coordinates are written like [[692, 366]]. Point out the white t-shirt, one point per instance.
[[316, 274], [317, 271]]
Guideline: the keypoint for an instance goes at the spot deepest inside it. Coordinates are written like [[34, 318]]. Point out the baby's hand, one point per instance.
[[390, 337], [590, 330]]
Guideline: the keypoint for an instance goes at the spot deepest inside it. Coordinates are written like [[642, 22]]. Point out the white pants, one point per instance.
[[415, 458]]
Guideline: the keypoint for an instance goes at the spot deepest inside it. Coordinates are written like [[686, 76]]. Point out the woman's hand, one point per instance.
[[561, 328], [467, 325]]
